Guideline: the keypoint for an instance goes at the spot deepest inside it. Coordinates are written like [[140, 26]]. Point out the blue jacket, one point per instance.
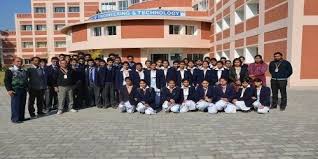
[[265, 96], [229, 93], [171, 75], [51, 73], [243, 74], [247, 96], [208, 76], [176, 95], [124, 96], [192, 94], [109, 75], [160, 82], [285, 69], [196, 77], [225, 74], [137, 77], [99, 77], [146, 97], [120, 78], [187, 75], [200, 93]]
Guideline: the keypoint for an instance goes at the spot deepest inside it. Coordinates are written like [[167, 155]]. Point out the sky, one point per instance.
[[8, 8]]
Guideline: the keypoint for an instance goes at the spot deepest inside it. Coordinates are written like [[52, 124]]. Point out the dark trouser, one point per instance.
[[38, 95], [109, 95], [279, 85], [79, 96], [51, 100], [98, 96], [94, 95], [18, 105]]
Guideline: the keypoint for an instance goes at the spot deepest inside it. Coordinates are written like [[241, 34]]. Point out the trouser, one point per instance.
[[141, 108], [18, 101], [109, 95], [187, 105], [65, 94], [260, 108], [172, 107], [240, 105], [126, 107], [203, 105], [226, 106], [35, 94], [93, 95], [51, 100], [98, 98], [279, 85]]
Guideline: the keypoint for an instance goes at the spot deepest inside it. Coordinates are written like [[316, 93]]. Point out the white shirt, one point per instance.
[[141, 74], [258, 93], [182, 73], [219, 72], [238, 71], [125, 75], [185, 92]]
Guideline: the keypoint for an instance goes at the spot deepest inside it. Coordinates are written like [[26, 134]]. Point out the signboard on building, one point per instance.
[[130, 13]]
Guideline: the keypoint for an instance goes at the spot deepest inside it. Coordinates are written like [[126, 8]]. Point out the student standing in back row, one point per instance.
[[280, 70]]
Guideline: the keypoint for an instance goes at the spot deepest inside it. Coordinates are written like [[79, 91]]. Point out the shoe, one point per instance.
[[59, 112], [282, 109], [273, 107], [73, 111], [17, 122], [32, 116], [41, 114]]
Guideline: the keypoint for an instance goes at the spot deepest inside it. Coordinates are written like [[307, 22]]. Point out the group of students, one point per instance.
[[74, 82]]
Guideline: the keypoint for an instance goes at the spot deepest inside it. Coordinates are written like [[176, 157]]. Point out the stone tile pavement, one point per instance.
[[106, 134]]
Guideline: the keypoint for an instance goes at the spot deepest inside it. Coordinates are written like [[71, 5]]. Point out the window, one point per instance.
[[218, 26], [26, 27], [60, 44], [40, 27], [27, 44], [97, 31], [58, 26], [239, 15], [250, 52], [111, 30], [41, 44], [195, 57], [59, 9], [40, 10], [190, 30], [27, 61], [122, 5], [226, 23], [134, 1], [174, 29], [252, 8], [108, 6], [73, 9]]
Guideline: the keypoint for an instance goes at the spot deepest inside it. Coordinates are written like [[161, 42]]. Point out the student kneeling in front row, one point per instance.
[[188, 91], [245, 97], [205, 96], [145, 98], [127, 97], [262, 95], [171, 97]]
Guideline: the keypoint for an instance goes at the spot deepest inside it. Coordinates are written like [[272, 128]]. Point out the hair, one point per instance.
[[206, 62], [147, 61], [128, 78], [142, 80], [166, 61], [111, 55], [54, 58], [245, 80], [171, 81], [205, 81], [153, 63], [221, 62], [33, 58], [242, 57], [110, 60], [223, 58], [140, 64], [224, 79], [73, 60], [98, 59], [129, 56], [228, 61], [125, 62], [43, 60], [207, 58], [185, 80], [102, 61], [176, 62], [237, 59], [214, 59], [90, 60], [190, 61], [61, 55], [181, 62], [80, 53], [259, 56], [258, 80], [278, 53]]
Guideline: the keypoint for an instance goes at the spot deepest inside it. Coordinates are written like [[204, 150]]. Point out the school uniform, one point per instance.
[[219, 73], [241, 74], [166, 95], [169, 74], [195, 73], [188, 103], [132, 65], [155, 80], [80, 87], [146, 100], [51, 100], [202, 104], [139, 75], [120, 77], [205, 75], [262, 104], [182, 75], [109, 87], [224, 92], [244, 99], [94, 85], [128, 100]]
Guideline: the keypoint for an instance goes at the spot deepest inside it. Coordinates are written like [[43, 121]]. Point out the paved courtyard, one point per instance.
[[107, 134]]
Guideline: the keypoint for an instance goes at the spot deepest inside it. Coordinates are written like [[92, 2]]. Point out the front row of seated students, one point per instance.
[[205, 98]]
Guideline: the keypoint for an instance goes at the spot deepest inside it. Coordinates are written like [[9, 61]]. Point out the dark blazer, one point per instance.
[[37, 78], [110, 75], [229, 93], [200, 94], [99, 77], [176, 95], [171, 74], [247, 96], [51, 73], [120, 78], [265, 96], [61, 81], [243, 74], [160, 82], [132, 66], [196, 77], [187, 75], [225, 74], [192, 94], [208, 76], [146, 97], [137, 77], [124, 96]]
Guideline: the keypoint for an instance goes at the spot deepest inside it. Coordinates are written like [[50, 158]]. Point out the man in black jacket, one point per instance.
[[280, 70], [51, 101], [37, 87], [16, 83]]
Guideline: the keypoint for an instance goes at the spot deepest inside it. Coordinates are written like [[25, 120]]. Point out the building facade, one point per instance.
[[173, 29]]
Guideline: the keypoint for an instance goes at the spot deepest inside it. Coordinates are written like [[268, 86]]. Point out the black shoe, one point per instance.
[[17, 122], [273, 107], [41, 114], [282, 108], [32, 116]]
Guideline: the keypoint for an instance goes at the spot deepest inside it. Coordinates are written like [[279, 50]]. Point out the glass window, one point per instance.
[[190, 30], [122, 5], [40, 10], [73, 9], [108, 6], [195, 57], [40, 27], [59, 9], [41, 44], [27, 44], [97, 31], [26, 27], [111, 30], [60, 44], [174, 29], [58, 26]]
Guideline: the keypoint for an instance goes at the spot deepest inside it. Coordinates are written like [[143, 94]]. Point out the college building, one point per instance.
[[172, 30]]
